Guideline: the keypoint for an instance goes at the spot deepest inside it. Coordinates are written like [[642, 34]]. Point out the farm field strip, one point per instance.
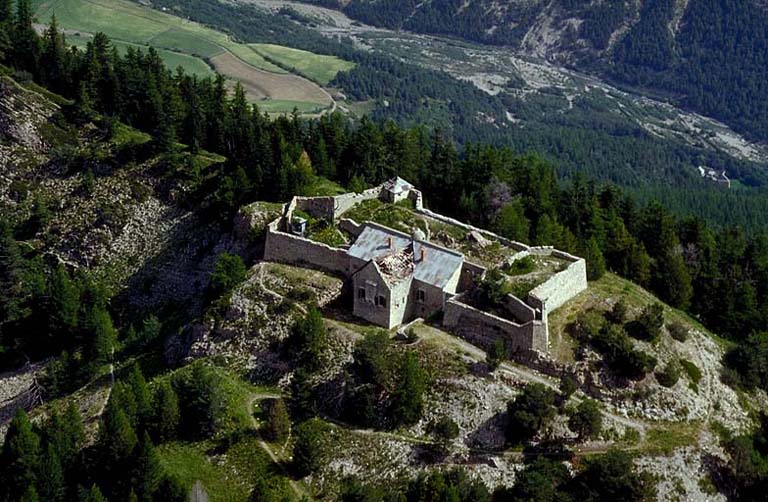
[[193, 46], [259, 84]]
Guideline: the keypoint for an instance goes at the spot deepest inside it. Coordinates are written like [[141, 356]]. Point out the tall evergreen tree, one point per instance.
[[142, 396], [51, 485], [53, 60], [147, 470], [63, 306], [6, 12], [408, 400], [594, 258], [91, 495], [20, 459], [24, 39], [11, 276], [117, 439], [165, 413]]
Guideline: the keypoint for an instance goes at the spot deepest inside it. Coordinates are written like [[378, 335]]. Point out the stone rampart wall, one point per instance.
[[346, 201], [561, 287], [350, 226], [519, 309], [317, 207], [287, 248], [483, 329], [518, 246]]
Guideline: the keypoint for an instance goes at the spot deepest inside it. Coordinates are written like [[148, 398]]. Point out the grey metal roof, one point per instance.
[[437, 267]]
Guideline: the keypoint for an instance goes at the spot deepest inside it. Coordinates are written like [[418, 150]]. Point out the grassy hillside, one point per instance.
[[191, 64], [193, 46], [323, 69]]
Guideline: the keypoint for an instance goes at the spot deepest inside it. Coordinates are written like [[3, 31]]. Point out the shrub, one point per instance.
[[496, 354], [228, 272], [520, 266], [620, 354], [568, 385], [444, 429], [617, 314], [529, 412], [586, 420], [668, 376], [650, 322], [278, 422], [678, 331], [310, 452], [612, 477], [587, 326], [692, 372], [493, 288]]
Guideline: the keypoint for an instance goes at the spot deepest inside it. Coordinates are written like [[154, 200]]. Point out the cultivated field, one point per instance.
[[193, 46], [261, 85], [320, 68]]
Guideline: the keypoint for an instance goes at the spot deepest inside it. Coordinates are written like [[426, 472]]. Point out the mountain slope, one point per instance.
[[708, 55]]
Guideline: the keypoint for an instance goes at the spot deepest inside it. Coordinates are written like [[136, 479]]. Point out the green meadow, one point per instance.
[[191, 64], [319, 68]]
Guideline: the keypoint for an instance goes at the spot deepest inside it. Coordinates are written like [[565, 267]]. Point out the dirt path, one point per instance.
[[111, 383], [298, 490], [260, 278]]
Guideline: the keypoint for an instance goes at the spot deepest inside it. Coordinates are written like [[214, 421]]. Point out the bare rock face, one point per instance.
[[252, 220], [22, 112]]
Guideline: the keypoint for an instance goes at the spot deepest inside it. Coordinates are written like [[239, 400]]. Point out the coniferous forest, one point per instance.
[[718, 275]]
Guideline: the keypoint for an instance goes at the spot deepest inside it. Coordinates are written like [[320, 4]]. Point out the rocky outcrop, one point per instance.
[[22, 112]]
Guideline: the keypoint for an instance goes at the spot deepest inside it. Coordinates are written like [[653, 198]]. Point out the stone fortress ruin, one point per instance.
[[427, 267]]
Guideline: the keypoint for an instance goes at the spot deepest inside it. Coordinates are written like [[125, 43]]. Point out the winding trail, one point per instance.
[[298, 490]]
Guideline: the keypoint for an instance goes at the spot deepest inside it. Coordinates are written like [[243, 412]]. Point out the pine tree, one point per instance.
[[6, 12], [26, 44], [20, 459], [142, 396], [594, 258], [65, 433], [53, 61], [147, 471], [586, 420], [309, 339], [639, 266], [11, 275], [75, 430], [278, 423], [165, 414], [51, 485], [92, 495], [29, 495], [310, 451], [101, 335], [117, 439], [511, 222], [408, 399], [63, 306]]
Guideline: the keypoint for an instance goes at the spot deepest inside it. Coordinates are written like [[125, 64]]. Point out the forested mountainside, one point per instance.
[[708, 55], [156, 355], [592, 134]]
